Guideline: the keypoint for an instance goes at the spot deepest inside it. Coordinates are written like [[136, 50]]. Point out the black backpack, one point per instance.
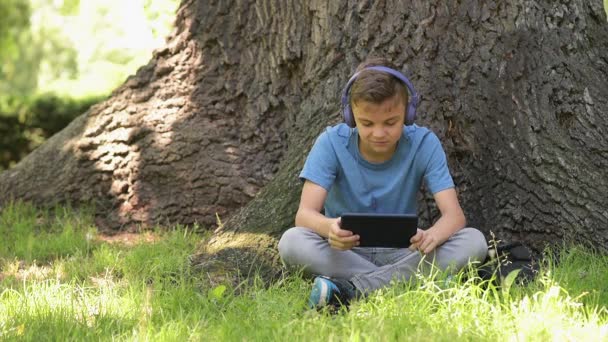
[[507, 257]]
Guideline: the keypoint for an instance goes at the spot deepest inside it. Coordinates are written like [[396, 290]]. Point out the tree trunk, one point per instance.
[[222, 118]]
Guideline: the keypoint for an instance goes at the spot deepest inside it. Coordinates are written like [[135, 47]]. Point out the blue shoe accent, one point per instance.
[[323, 293]]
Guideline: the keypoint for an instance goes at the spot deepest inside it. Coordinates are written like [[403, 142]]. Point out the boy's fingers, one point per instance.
[[351, 238], [428, 246], [417, 237], [423, 247], [344, 244], [347, 240], [344, 233], [342, 247]]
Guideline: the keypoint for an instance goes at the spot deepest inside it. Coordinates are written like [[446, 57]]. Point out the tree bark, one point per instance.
[[219, 123]]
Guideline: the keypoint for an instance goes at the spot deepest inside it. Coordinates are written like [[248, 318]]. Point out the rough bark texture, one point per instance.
[[223, 117]]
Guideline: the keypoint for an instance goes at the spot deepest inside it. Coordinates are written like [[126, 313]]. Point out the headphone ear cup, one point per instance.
[[410, 116], [349, 119]]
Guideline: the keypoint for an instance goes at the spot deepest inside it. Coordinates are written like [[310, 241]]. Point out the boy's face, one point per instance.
[[380, 126]]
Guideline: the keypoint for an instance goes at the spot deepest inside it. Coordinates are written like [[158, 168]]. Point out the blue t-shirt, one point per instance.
[[356, 185]]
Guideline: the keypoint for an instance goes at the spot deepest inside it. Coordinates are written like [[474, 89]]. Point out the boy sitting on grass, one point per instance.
[[375, 162]]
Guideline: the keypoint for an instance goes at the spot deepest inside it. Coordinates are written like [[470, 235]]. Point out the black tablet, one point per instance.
[[381, 230]]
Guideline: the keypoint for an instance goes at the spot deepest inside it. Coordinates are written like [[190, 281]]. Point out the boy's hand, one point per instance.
[[341, 239], [424, 241]]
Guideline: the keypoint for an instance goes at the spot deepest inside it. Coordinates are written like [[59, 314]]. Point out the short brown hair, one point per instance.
[[376, 86]]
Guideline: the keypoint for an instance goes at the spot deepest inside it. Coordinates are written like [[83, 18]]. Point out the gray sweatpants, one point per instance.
[[372, 268]]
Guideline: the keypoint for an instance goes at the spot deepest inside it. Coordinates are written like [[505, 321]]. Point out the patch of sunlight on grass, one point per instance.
[[68, 311], [553, 315]]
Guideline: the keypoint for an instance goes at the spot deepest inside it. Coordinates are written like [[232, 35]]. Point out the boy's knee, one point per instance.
[[289, 241], [467, 245], [478, 247]]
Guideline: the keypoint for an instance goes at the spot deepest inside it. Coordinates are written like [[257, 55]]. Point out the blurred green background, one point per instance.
[[59, 57]]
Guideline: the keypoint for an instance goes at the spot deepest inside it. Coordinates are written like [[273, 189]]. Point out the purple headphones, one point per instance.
[[347, 113]]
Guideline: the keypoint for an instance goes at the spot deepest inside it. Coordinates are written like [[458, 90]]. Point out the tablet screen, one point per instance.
[[381, 230]]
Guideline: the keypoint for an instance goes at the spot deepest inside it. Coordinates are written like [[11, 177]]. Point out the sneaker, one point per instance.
[[331, 291]]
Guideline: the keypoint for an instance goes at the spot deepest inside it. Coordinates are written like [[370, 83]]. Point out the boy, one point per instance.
[[374, 163]]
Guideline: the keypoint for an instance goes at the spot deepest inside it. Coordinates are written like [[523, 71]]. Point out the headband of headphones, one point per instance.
[[412, 103]]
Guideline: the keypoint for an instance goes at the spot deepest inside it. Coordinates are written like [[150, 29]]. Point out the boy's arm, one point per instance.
[[452, 220], [309, 216], [309, 212]]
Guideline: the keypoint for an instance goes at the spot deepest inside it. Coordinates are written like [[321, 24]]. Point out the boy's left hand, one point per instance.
[[425, 241]]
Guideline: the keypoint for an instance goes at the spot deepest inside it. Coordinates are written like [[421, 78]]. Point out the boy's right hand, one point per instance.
[[341, 239]]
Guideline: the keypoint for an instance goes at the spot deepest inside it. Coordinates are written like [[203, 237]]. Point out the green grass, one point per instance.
[[43, 235], [87, 289]]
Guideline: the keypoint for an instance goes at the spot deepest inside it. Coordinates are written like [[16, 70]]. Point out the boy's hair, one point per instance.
[[376, 86]]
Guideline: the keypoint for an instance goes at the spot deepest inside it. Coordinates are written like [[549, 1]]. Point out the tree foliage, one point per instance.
[[15, 17], [14, 32], [59, 57], [77, 48]]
